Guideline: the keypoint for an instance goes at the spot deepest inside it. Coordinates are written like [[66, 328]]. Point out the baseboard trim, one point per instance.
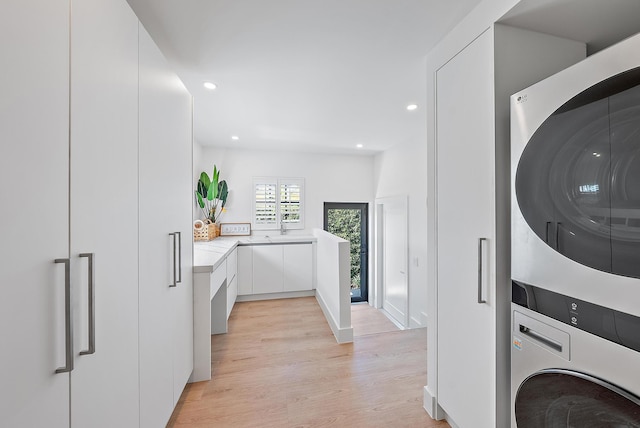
[[342, 335], [272, 296], [429, 403]]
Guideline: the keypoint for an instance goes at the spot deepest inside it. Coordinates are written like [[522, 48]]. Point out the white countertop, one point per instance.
[[208, 255]]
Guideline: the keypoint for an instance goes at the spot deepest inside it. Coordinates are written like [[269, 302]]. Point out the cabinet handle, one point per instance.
[[91, 314], [480, 272], [67, 318], [175, 282], [179, 257]]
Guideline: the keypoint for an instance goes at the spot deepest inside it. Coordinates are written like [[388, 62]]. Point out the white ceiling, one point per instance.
[[303, 75]]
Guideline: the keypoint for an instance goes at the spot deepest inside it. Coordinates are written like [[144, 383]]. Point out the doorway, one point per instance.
[[349, 220], [392, 291]]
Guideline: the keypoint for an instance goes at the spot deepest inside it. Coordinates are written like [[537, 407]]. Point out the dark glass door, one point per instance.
[[349, 221], [557, 398], [578, 179]]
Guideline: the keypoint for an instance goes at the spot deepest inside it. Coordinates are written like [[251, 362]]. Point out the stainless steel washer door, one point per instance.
[[559, 398]]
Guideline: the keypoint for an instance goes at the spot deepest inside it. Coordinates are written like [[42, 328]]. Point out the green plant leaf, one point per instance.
[[206, 181], [200, 201], [201, 189], [223, 192]]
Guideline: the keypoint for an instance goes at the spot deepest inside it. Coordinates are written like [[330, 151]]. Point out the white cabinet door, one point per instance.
[[232, 293], [466, 212], [34, 218], [267, 269], [232, 265], [104, 212], [245, 270], [298, 267], [166, 317]]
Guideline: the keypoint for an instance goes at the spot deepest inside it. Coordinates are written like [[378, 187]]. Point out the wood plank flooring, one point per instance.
[[367, 320], [280, 366]]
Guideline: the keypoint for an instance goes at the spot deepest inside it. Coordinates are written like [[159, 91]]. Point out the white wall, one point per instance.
[[328, 178], [402, 171], [334, 283]]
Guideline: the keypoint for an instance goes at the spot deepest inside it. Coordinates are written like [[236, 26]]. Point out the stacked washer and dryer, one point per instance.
[[575, 156]]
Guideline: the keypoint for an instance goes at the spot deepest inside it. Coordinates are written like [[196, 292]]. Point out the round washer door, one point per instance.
[[558, 398]]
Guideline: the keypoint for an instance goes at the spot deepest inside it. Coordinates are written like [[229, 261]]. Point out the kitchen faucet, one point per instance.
[[283, 229]]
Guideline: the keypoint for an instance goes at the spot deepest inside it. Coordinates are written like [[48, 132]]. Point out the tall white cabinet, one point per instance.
[[472, 183], [34, 218], [166, 292], [75, 162], [104, 213]]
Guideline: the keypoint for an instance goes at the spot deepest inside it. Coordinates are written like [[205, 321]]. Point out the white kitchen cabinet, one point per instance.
[[166, 292], [297, 267], [275, 268], [245, 270], [34, 218], [267, 269], [472, 187], [104, 212]]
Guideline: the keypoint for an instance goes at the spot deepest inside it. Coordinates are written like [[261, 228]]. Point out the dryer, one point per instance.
[[575, 170], [574, 364]]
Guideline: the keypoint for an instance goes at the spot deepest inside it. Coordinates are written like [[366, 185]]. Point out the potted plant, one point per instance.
[[211, 195]]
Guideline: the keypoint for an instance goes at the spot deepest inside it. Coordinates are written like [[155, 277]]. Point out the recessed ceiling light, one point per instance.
[[210, 85], [359, 146], [412, 107], [235, 137]]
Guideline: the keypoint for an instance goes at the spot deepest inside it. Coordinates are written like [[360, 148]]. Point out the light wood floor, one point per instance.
[[280, 366], [368, 320]]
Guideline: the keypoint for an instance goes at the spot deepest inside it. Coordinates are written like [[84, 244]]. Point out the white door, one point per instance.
[[104, 212], [465, 215], [34, 217], [395, 291]]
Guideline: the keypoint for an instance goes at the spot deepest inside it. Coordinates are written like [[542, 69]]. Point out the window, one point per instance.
[[278, 201]]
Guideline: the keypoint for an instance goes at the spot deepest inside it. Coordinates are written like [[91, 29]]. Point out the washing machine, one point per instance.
[[574, 364]]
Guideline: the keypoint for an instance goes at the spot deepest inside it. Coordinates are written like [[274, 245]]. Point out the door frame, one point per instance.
[[364, 240], [380, 243]]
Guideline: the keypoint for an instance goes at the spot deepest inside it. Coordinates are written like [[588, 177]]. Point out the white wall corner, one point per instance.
[[342, 335]]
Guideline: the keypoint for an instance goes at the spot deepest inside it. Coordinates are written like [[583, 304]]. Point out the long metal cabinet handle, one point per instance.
[[179, 257], [480, 273], [67, 318], [175, 282], [92, 306]]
